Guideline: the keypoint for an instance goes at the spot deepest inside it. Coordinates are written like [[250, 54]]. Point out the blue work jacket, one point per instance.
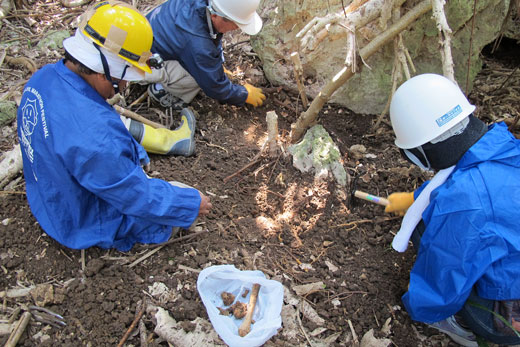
[[472, 235], [181, 32], [84, 181]]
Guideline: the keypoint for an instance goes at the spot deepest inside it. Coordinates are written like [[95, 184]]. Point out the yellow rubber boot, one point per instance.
[[172, 142]]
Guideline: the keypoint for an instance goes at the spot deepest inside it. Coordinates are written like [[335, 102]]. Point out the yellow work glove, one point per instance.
[[255, 96], [399, 202]]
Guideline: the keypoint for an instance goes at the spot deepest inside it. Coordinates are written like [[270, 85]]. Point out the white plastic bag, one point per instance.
[[214, 280]]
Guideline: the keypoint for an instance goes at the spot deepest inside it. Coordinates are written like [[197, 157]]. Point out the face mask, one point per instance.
[[443, 154]]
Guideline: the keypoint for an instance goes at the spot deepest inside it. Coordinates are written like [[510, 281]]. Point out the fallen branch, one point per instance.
[[356, 15], [10, 165], [309, 116]]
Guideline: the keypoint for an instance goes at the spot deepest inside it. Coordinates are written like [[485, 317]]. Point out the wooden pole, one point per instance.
[[137, 117]]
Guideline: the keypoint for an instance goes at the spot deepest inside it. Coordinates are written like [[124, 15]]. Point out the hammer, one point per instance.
[[365, 196], [372, 198], [245, 327]]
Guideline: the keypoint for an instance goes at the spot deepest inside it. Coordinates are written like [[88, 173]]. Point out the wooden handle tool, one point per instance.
[[372, 198], [245, 327]]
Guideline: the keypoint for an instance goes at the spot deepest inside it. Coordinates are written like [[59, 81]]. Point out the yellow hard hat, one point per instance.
[[121, 29]]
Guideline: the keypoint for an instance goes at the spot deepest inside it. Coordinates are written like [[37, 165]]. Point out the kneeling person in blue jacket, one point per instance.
[[83, 168], [464, 221]]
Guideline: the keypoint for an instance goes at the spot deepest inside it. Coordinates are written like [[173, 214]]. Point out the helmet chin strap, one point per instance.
[[106, 69], [210, 23], [414, 159]]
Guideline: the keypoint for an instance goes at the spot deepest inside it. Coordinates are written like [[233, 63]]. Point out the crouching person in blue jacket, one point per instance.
[[188, 36], [464, 221], [84, 180]]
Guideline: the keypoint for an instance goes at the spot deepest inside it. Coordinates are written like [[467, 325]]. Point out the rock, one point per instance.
[[7, 112], [93, 267], [43, 294], [53, 40], [318, 152]]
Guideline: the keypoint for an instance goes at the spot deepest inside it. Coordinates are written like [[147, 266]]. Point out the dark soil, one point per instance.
[[310, 223]]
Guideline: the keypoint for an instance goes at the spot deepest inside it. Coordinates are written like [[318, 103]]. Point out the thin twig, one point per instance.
[[132, 326], [147, 255], [7, 192], [301, 325], [253, 161], [354, 335], [471, 44], [179, 239]]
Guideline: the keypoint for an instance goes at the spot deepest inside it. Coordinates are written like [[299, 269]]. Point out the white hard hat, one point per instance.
[[242, 12], [425, 107], [82, 48]]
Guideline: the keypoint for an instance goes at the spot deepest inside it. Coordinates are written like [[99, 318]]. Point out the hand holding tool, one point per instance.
[[399, 202]]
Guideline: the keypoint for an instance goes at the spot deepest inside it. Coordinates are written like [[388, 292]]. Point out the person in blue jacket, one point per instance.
[[188, 36], [464, 222], [83, 169]]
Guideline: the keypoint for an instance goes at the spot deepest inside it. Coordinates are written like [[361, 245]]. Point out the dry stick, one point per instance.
[[301, 326], [354, 335], [500, 35], [245, 327], [132, 326], [272, 132], [7, 192], [309, 116], [147, 255], [255, 160], [14, 315], [137, 117], [402, 61], [444, 39], [298, 74], [139, 99], [161, 245], [471, 44], [83, 260], [284, 105], [18, 330]]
